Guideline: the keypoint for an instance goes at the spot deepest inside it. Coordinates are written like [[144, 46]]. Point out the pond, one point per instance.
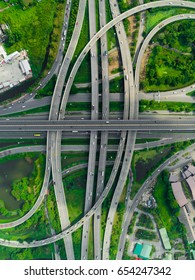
[[10, 171], [144, 166]]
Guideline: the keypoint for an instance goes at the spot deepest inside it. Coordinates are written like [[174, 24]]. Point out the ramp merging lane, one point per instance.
[[55, 125]]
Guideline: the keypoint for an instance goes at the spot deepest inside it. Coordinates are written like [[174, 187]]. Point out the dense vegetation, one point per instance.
[[171, 63], [179, 35], [132, 223], [72, 20], [167, 208], [168, 69], [145, 221], [145, 234], [36, 29]]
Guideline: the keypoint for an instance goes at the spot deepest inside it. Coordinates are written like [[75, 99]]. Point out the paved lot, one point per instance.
[[10, 72]]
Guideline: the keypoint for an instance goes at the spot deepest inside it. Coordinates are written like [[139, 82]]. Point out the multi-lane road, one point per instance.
[[128, 127], [99, 125]]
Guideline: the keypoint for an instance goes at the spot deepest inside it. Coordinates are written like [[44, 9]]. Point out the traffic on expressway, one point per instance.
[[93, 166]]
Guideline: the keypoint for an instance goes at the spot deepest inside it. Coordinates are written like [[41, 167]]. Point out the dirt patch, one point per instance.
[[131, 29], [114, 60], [144, 63]]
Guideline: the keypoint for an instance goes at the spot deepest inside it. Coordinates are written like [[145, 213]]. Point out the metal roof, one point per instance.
[[165, 238], [137, 249], [179, 194], [146, 250], [191, 184]]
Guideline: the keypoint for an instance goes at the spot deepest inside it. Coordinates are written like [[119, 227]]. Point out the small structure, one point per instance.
[[145, 252], [191, 169], [151, 202], [179, 194], [187, 173], [25, 67], [165, 238], [183, 175], [11, 56], [142, 250], [3, 28], [138, 248], [193, 254]]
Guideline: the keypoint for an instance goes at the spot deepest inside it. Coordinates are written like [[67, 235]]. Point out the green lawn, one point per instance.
[[146, 105], [111, 34], [75, 193], [83, 74], [157, 15]]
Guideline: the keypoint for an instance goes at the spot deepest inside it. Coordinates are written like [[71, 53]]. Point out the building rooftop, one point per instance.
[[165, 238], [187, 173], [193, 254], [179, 194], [184, 218], [137, 249], [11, 73], [191, 184], [145, 252], [173, 178], [191, 168], [25, 67]]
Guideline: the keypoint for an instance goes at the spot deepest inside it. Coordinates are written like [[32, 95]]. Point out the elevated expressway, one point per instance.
[[93, 134], [156, 4], [71, 77], [129, 113], [127, 214], [53, 115], [74, 227], [99, 125], [104, 134]]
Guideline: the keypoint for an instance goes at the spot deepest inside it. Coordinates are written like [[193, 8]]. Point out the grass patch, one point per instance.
[[132, 224], [146, 105], [111, 34], [48, 89], [74, 185], [155, 16], [86, 106], [192, 93], [31, 111], [145, 234]]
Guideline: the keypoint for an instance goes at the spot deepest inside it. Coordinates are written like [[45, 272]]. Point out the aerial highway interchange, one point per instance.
[[97, 126]]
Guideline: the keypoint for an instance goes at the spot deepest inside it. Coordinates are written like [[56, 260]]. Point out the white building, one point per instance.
[[25, 67], [11, 56]]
